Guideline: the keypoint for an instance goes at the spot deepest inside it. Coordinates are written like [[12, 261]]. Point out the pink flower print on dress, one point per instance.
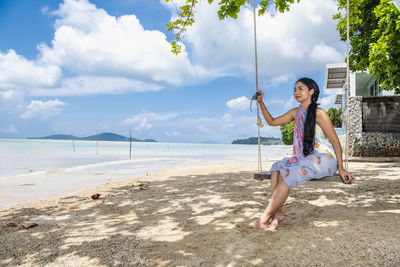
[[287, 173], [330, 171], [318, 160], [303, 170]]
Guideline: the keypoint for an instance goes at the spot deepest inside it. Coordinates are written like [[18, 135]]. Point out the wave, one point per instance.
[[81, 167]]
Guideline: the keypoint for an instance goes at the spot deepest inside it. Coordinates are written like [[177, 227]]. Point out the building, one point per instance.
[[361, 83], [372, 115]]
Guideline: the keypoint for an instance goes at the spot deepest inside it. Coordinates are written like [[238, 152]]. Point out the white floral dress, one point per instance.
[[299, 169]]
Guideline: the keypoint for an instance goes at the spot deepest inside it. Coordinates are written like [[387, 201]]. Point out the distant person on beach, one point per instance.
[[317, 152]]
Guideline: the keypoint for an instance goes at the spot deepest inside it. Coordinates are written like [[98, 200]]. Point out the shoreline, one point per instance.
[[59, 183], [187, 216]]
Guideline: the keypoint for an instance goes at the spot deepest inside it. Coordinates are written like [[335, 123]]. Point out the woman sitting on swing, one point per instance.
[[314, 155]]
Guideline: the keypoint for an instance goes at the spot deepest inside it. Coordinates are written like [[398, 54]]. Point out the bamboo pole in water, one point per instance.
[[130, 144], [73, 144], [97, 143]]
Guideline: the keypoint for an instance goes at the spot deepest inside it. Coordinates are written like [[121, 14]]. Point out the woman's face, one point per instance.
[[302, 93]]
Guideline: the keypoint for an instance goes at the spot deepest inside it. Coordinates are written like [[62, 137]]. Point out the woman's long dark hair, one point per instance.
[[309, 124]]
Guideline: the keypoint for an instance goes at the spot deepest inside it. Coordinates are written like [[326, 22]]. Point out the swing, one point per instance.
[[260, 175]]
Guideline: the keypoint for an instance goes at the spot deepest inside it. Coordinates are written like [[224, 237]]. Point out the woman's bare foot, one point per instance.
[[278, 218], [256, 224]]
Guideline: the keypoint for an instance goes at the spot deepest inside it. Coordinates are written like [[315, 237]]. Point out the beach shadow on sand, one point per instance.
[[190, 220]]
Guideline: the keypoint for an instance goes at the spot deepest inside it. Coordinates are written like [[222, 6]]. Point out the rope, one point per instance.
[[259, 121], [346, 150]]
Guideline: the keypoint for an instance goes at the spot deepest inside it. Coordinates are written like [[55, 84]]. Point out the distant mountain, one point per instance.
[[263, 141], [107, 137], [100, 137]]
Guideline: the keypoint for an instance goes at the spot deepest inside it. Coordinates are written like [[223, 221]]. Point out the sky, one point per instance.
[[85, 66]]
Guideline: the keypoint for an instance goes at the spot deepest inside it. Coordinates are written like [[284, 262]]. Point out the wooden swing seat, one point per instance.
[[260, 176]]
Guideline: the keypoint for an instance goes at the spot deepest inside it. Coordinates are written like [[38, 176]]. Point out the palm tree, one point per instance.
[[334, 114]]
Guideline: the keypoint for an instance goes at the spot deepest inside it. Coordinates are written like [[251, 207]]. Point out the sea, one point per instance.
[[32, 169]]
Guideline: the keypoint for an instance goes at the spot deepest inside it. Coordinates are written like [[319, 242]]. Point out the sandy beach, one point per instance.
[[187, 216]]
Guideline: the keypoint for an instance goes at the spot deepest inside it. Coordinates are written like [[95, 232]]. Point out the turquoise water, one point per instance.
[[37, 169], [27, 156]]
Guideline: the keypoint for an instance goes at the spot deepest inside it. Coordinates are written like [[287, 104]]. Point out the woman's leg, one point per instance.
[[280, 216], [278, 198], [274, 180]]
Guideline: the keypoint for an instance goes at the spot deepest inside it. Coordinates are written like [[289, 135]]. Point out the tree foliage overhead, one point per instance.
[[374, 37], [227, 8], [374, 32]]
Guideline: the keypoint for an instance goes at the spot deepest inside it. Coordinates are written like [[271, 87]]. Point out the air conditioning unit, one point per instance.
[[339, 99], [335, 76]]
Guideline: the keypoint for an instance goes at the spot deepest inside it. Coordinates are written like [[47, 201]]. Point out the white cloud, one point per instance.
[[18, 72], [7, 94], [90, 85], [93, 52], [288, 104], [10, 130], [325, 53], [150, 117], [240, 103], [43, 108], [287, 43], [145, 121], [44, 10], [173, 134], [327, 101], [143, 125], [284, 78], [89, 41], [106, 54]]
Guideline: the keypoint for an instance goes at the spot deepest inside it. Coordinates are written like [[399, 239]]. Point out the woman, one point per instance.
[[317, 152]]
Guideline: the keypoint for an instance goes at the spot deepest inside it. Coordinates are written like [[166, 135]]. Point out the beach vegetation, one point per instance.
[[254, 141], [335, 116], [287, 131]]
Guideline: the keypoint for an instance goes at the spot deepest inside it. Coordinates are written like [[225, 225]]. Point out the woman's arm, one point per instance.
[[326, 125], [285, 118]]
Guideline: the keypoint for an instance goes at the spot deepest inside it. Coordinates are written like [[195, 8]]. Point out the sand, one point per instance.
[[187, 217]]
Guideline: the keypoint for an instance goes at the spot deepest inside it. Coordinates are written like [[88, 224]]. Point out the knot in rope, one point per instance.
[[259, 121]]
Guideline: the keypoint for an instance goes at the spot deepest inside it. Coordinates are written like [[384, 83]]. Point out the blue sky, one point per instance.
[[80, 67]]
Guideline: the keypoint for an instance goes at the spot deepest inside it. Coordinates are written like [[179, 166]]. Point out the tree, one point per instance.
[[374, 31], [334, 114], [228, 8], [287, 133], [374, 37]]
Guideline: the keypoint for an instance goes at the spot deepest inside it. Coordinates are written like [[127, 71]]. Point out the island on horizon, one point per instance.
[[99, 137]]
